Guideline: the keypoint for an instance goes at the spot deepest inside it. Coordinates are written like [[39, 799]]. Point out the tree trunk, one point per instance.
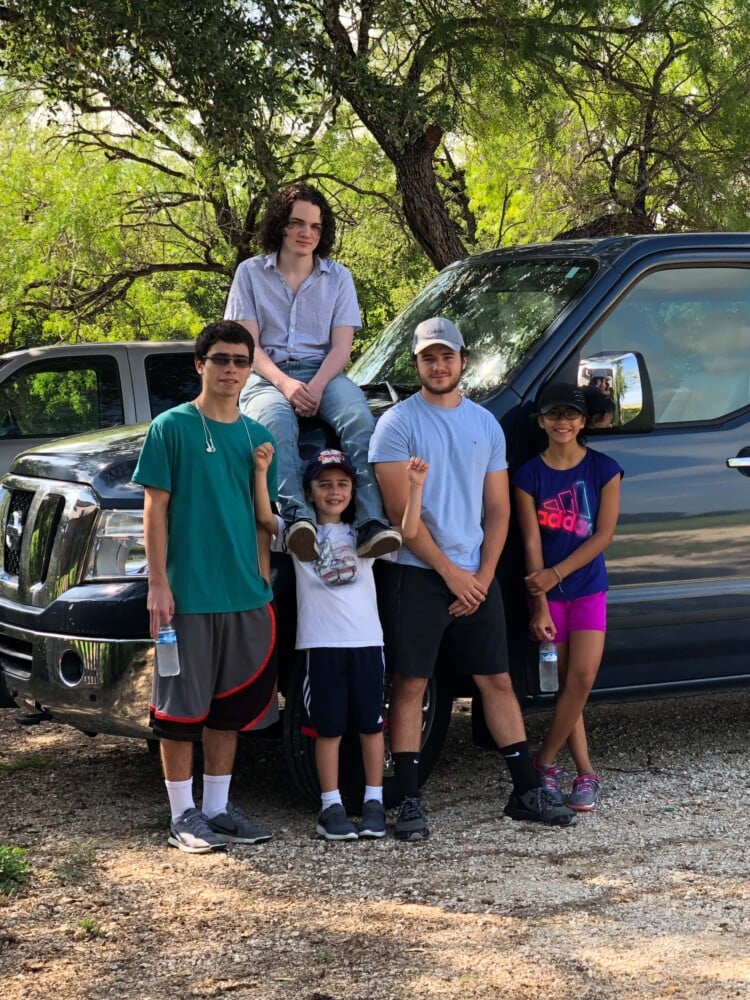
[[424, 207]]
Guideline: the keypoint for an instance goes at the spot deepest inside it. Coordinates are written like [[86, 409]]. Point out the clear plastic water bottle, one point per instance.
[[548, 667], [167, 655]]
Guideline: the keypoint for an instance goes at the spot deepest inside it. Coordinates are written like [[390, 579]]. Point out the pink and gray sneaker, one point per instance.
[[585, 790]]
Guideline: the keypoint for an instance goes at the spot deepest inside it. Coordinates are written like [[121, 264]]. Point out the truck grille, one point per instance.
[[15, 525], [15, 655], [47, 528]]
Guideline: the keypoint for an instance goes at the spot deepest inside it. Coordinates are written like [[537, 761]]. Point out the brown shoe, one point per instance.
[[302, 541]]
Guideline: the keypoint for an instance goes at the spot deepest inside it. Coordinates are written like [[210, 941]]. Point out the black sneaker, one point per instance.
[[411, 822], [333, 824], [302, 541], [538, 806], [375, 539], [373, 819]]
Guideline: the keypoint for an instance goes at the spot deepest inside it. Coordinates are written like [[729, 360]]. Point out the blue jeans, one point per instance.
[[344, 408]]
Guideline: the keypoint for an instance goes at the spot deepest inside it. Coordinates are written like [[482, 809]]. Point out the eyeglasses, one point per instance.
[[562, 414], [224, 360]]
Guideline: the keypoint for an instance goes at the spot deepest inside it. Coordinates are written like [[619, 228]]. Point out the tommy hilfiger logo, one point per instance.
[[568, 511]]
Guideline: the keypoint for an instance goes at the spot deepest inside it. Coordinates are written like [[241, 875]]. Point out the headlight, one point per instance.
[[119, 548]]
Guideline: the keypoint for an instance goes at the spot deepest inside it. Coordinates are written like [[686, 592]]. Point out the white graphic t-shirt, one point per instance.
[[336, 600]]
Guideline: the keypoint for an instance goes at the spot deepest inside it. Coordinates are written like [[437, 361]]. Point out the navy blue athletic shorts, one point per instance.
[[414, 606], [343, 690]]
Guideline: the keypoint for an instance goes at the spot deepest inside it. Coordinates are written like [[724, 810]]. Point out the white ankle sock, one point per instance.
[[373, 792], [330, 799], [180, 796], [215, 794]]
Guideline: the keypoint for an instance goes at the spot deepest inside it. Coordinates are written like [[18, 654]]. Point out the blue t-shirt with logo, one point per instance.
[[567, 506]]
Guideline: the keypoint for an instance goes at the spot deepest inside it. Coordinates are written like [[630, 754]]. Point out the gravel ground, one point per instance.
[[648, 897]]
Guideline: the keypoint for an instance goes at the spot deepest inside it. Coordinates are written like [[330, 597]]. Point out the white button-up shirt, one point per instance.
[[293, 327]]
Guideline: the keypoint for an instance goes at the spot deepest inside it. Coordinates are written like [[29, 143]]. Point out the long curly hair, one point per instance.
[[273, 224]]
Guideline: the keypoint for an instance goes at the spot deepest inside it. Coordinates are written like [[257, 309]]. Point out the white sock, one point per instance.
[[330, 799], [215, 794], [180, 796], [373, 792]]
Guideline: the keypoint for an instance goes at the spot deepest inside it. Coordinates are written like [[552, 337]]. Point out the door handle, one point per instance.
[[741, 463]]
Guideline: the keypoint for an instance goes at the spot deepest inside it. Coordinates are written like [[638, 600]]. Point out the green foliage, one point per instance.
[[648, 129], [29, 762], [14, 870], [78, 863], [88, 256], [89, 927], [127, 199]]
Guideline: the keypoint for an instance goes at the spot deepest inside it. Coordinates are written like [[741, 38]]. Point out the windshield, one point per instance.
[[502, 307]]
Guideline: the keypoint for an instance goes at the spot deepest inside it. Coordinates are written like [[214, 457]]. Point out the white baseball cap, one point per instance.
[[437, 330]]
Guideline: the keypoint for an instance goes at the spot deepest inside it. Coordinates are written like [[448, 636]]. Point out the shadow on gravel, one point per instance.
[[646, 897]]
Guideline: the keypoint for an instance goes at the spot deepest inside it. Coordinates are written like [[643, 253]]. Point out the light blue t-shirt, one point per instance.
[[212, 548], [462, 444], [293, 327]]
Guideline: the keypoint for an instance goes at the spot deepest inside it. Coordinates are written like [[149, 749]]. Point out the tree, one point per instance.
[[83, 258], [239, 92], [651, 133], [613, 117]]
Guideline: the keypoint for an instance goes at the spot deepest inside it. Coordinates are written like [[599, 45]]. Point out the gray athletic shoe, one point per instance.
[[373, 819], [539, 806], [234, 827], [549, 776], [191, 833], [375, 539], [411, 822], [333, 824]]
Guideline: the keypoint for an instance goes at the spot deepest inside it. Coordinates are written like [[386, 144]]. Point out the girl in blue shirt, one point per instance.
[[568, 500]]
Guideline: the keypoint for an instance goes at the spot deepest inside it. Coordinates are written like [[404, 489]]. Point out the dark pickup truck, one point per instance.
[[661, 322]]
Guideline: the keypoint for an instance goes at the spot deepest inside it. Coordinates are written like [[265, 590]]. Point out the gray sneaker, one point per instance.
[[539, 806], [549, 776], [234, 827], [191, 833], [585, 790], [373, 819], [333, 824], [411, 822]]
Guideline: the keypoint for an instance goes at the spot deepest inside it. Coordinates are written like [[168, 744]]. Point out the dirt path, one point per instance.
[[649, 897]]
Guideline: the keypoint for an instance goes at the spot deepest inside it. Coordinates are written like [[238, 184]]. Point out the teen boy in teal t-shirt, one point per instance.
[[197, 466]]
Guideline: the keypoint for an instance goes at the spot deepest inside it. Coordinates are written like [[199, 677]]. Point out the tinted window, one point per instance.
[[501, 307], [55, 397], [171, 379], [692, 326]]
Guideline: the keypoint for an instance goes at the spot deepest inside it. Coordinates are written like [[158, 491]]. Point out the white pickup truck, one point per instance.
[[53, 392]]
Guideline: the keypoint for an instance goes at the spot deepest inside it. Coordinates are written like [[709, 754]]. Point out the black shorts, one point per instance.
[[414, 606], [343, 690]]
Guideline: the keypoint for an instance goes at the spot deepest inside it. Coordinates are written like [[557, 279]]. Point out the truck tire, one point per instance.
[[299, 750]]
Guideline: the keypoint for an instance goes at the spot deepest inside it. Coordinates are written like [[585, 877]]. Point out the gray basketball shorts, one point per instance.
[[227, 676]]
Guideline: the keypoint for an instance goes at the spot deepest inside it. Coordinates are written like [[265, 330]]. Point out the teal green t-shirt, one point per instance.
[[212, 545]]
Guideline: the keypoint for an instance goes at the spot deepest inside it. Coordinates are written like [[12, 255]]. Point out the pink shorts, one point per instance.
[[584, 614]]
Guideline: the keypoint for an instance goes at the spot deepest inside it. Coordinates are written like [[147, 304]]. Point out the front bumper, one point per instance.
[[97, 685]]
